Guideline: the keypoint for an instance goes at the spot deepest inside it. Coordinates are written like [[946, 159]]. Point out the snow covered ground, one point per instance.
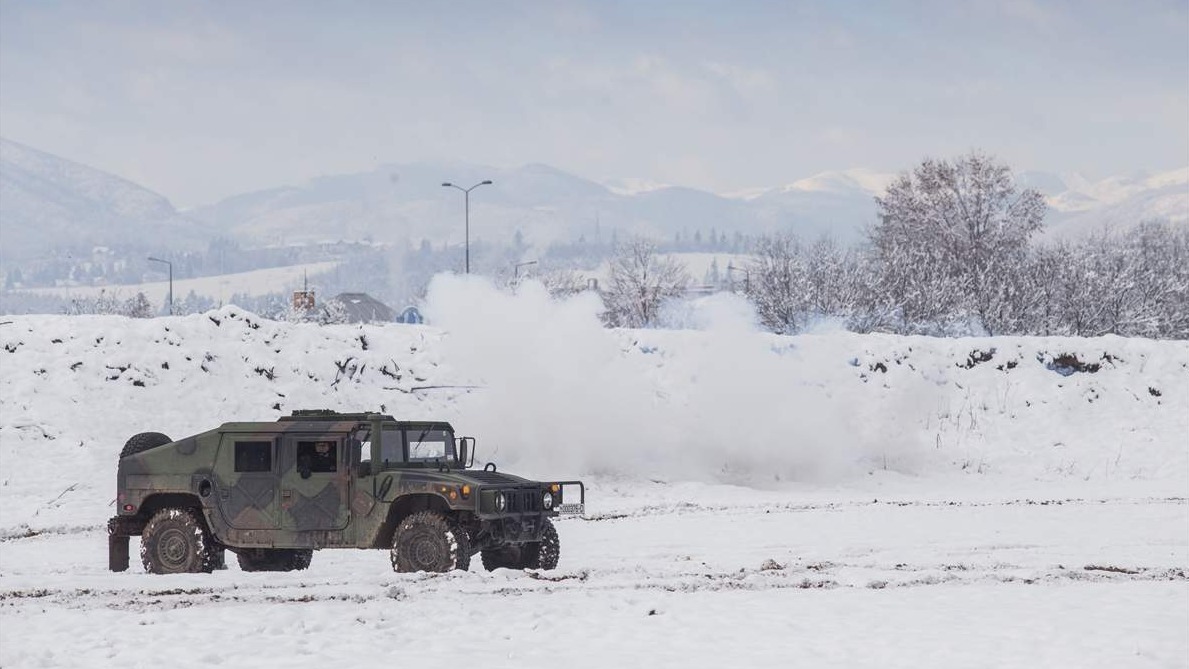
[[823, 500], [220, 287]]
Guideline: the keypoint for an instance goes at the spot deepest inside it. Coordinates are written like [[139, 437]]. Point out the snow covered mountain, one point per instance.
[[49, 203], [1120, 202], [400, 201], [544, 204]]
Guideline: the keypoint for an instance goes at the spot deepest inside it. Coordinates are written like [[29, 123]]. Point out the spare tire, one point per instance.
[[143, 442]]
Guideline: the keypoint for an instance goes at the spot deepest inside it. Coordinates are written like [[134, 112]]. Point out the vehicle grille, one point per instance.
[[523, 501]]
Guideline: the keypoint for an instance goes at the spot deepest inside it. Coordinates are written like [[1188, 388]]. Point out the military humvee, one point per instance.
[[274, 492]]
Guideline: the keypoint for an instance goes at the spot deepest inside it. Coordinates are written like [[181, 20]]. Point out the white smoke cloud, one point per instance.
[[729, 403]]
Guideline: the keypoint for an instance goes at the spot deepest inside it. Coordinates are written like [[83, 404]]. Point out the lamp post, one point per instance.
[[516, 269], [170, 281], [746, 277], [467, 197]]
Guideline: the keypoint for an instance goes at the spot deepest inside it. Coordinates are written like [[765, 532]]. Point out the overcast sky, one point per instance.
[[199, 101]]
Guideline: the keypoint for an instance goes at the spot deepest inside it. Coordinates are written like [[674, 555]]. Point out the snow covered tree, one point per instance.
[[713, 276], [103, 303], [562, 282], [1158, 280], [192, 303], [333, 312], [640, 282], [792, 284], [949, 236], [138, 306], [777, 283]]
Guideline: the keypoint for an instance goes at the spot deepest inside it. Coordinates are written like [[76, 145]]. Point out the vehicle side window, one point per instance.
[[317, 456], [253, 456], [392, 447]]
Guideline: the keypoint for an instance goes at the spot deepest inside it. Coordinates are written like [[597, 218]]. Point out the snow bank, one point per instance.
[[549, 391]]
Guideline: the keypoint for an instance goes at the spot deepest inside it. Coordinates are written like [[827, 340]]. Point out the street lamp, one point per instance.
[[516, 269], [746, 277], [467, 196], [170, 281]]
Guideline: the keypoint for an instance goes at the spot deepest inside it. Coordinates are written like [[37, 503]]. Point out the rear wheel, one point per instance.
[[428, 541], [175, 542], [274, 559], [143, 442]]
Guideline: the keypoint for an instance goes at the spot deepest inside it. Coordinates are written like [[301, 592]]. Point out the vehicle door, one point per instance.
[[316, 481], [246, 476]]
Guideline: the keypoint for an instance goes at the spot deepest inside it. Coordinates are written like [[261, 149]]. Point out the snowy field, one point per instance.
[[220, 287], [828, 500]]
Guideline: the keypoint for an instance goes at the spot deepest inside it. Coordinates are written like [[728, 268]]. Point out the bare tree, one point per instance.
[[778, 285], [333, 312], [640, 282], [138, 306], [949, 235], [562, 282], [103, 303]]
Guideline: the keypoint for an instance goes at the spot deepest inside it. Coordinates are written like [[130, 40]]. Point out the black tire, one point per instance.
[[428, 541], [541, 554], [176, 542], [143, 442], [504, 557], [275, 559], [545, 553]]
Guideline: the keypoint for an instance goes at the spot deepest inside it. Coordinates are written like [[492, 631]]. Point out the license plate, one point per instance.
[[572, 508]]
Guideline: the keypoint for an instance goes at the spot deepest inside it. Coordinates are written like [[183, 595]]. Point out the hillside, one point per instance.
[[721, 405], [50, 205]]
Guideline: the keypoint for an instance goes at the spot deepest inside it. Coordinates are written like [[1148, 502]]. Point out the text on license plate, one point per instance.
[[572, 508]]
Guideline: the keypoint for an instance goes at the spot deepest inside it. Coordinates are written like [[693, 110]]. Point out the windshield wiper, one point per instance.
[[421, 437]]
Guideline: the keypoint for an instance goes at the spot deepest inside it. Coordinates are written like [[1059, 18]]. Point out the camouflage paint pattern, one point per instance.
[[290, 506]]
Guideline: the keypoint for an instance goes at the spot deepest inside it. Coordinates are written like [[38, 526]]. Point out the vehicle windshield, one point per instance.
[[430, 445]]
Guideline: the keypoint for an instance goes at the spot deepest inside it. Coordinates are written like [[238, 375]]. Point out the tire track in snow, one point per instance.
[[819, 575], [682, 508]]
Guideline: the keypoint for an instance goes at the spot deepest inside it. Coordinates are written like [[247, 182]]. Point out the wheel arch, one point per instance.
[[176, 500], [405, 506]]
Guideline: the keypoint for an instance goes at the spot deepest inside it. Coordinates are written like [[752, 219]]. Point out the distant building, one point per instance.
[[361, 308], [303, 300], [410, 315]]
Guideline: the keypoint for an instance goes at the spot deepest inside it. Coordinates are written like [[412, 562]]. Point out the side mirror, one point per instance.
[[466, 451]]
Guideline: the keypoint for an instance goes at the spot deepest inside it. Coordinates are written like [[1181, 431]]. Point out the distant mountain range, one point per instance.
[[47, 202], [407, 201], [1079, 205]]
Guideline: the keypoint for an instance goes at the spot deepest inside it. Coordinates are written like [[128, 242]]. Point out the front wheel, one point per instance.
[[541, 554], [428, 541], [545, 553], [175, 542]]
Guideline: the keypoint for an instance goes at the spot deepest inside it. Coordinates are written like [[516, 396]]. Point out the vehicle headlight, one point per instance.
[[547, 500], [500, 501]]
